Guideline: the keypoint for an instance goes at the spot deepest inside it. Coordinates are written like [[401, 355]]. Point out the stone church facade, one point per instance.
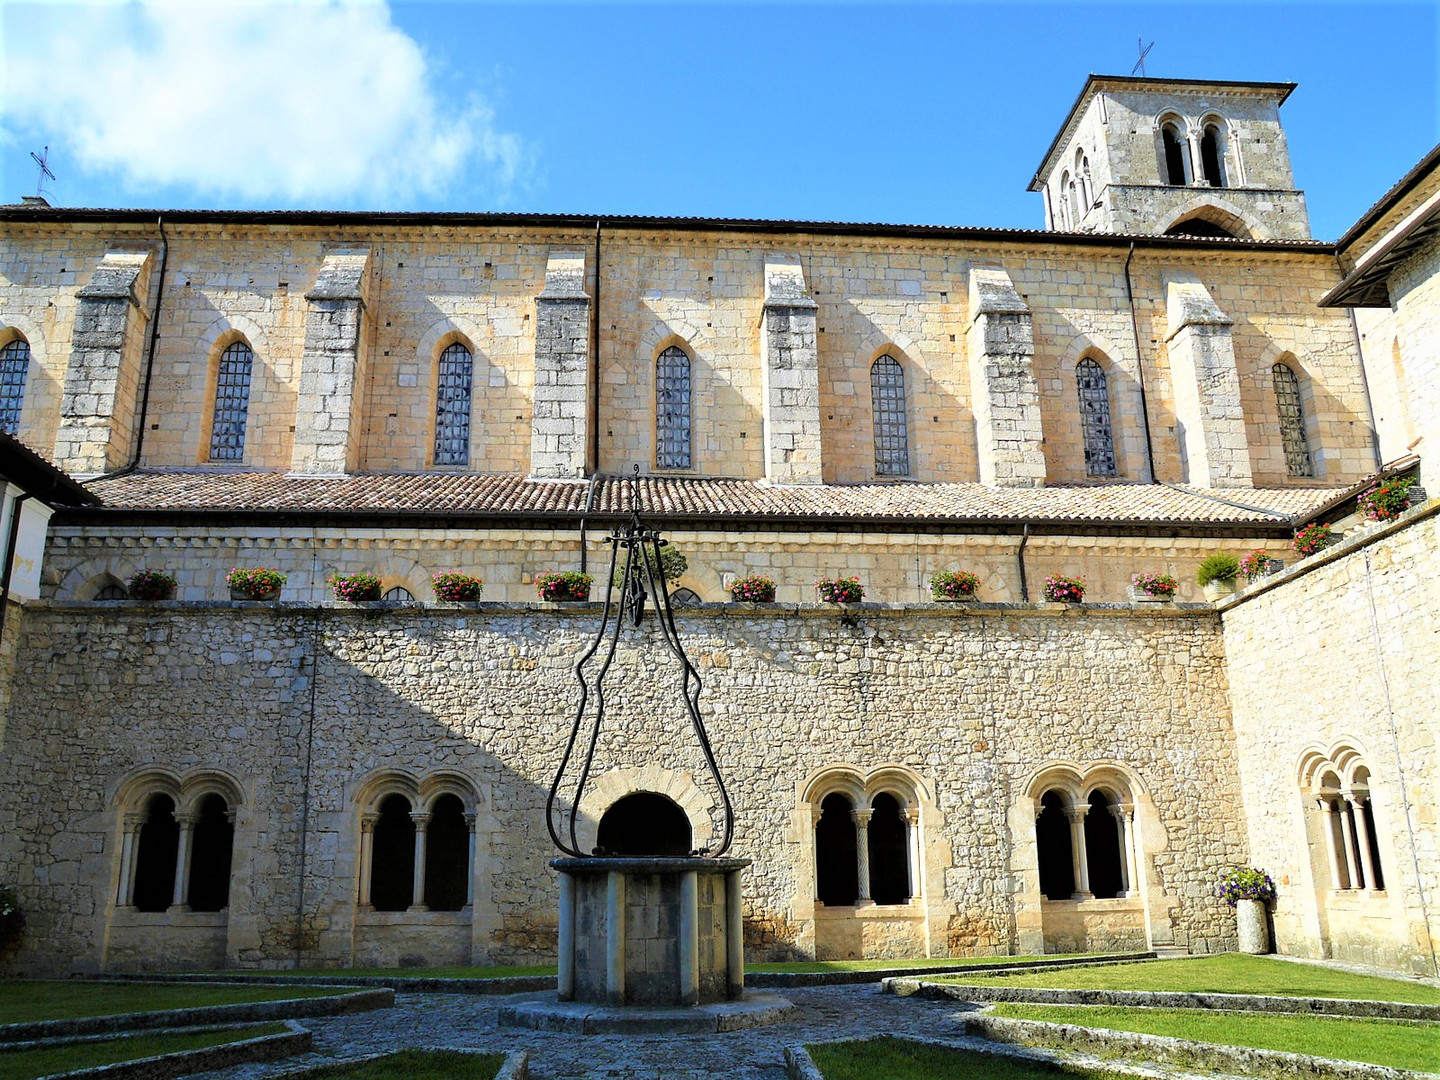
[[1172, 368]]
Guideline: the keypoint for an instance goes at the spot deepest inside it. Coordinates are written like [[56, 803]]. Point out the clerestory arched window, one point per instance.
[[452, 405], [232, 402], [1177, 154], [672, 409], [14, 366], [1298, 461], [1212, 155], [887, 398], [1098, 435]]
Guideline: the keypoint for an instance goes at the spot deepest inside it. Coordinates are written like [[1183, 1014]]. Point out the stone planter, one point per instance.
[[1253, 928], [1140, 596], [260, 598], [1219, 590], [972, 598]]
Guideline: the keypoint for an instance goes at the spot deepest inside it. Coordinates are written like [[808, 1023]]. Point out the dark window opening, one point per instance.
[[447, 855], [1198, 227], [110, 591], [684, 598], [232, 403], [1374, 838], [1052, 840], [1174, 155], [452, 406], [1102, 849], [14, 365], [392, 856], [644, 825], [889, 866], [672, 409], [887, 398], [398, 595], [159, 841], [1098, 435], [211, 847], [1210, 157], [837, 877]]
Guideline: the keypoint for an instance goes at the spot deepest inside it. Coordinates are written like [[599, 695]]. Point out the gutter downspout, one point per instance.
[[1020, 559], [134, 461], [1139, 367]]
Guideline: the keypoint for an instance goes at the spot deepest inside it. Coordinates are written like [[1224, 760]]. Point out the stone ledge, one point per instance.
[[1240, 1060], [1384, 1010], [285, 1009], [187, 1062]]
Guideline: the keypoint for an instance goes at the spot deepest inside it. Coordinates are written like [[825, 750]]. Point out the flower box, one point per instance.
[[361, 588], [563, 586], [1313, 538], [752, 589], [840, 590], [150, 586], [1148, 588], [953, 585], [1060, 589], [255, 583], [1258, 564], [454, 588], [1386, 499]]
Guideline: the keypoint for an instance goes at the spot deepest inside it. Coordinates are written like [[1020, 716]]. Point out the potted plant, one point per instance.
[[954, 585], [1313, 538], [840, 590], [562, 585], [151, 585], [752, 589], [455, 588], [1216, 574], [254, 583], [1385, 499], [1152, 588], [1247, 890], [672, 565], [1060, 589], [359, 588], [12, 919], [1258, 564]]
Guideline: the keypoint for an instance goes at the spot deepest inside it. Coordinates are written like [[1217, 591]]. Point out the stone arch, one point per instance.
[[199, 783], [446, 782], [671, 330], [439, 337], [1218, 211], [444, 332], [374, 786], [677, 786], [83, 580], [1275, 354], [139, 784], [1212, 119], [405, 572], [1171, 116]]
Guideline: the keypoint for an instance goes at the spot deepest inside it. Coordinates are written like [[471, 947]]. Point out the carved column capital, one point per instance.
[[861, 818]]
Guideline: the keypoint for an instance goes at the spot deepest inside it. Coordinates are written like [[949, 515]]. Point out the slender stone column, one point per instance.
[[180, 898], [615, 938], [1125, 827], [560, 420], [129, 852], [790, 375], [566, 944], [1206, 382], [470, 861], [1327, 826], [1348, 832], [1004, 394], [735, 939], [1362, 838], [862, 853], [367, 854], [422, 822], [688, 944], [1079, 864], [815, 815], [912, 848]]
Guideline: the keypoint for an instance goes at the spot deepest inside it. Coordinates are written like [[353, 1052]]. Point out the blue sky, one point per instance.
[[934, 113]]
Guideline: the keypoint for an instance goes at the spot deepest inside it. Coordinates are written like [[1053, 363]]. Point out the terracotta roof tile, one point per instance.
[[469, 495]]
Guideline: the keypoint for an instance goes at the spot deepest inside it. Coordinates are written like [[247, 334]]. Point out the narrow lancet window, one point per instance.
[[1099, 436], [452, 406], [232, 403], [1292, 422], [1212, 156], [672, 409], [892, 438], [1174, 155], [14, 364]]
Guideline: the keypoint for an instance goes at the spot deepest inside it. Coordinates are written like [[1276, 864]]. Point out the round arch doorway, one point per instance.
[[644, 825]]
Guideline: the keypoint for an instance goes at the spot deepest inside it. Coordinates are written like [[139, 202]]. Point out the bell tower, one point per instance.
[[1193, 157]]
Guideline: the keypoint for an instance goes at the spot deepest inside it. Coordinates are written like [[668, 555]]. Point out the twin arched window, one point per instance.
[[887, 399], [672, 409], [1084, 847], [417, 860], [1178, 168], [863, 855], [177, 857], [232, 402], [14, 365], [1340, 787], [1298, 461], [452, 405]]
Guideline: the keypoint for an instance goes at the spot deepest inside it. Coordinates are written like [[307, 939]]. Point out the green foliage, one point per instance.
[[1395, 1043], [889, 1058], [258, 583], [672, 565], [563, 585], [1221, 566], [1313, 538], [151, 585], [48, 1060], [411, 1065], [953, 585], [456, 588], [360, 588], [1385, 499], [753, 589]]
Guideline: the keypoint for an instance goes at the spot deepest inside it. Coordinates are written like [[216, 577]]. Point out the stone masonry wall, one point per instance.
[[970, 703], [1340, 651]]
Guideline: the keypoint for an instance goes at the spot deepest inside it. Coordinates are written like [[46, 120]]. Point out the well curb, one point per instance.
[[204, 1015]]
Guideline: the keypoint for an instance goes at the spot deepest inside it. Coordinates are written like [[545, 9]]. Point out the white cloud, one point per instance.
[[265, 102]]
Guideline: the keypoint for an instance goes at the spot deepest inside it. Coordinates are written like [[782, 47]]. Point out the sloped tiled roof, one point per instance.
[[470, 495]]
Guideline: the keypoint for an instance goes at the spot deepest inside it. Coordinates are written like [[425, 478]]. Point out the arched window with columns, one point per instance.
[[867, 837], [1085, 836], [1338, 789], [417, 844], [177, 843]]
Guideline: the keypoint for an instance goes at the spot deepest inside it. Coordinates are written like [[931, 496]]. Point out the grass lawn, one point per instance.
[[1380, 1042], [497, 972], [934, 961], [413, 1065], [24, 1064], [24, 1001], [1231, 973], [889, 1058]]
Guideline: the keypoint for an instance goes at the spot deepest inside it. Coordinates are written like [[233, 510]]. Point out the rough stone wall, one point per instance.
[[971, 702], [1415, 294], [893, 570], [1342, 650]]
